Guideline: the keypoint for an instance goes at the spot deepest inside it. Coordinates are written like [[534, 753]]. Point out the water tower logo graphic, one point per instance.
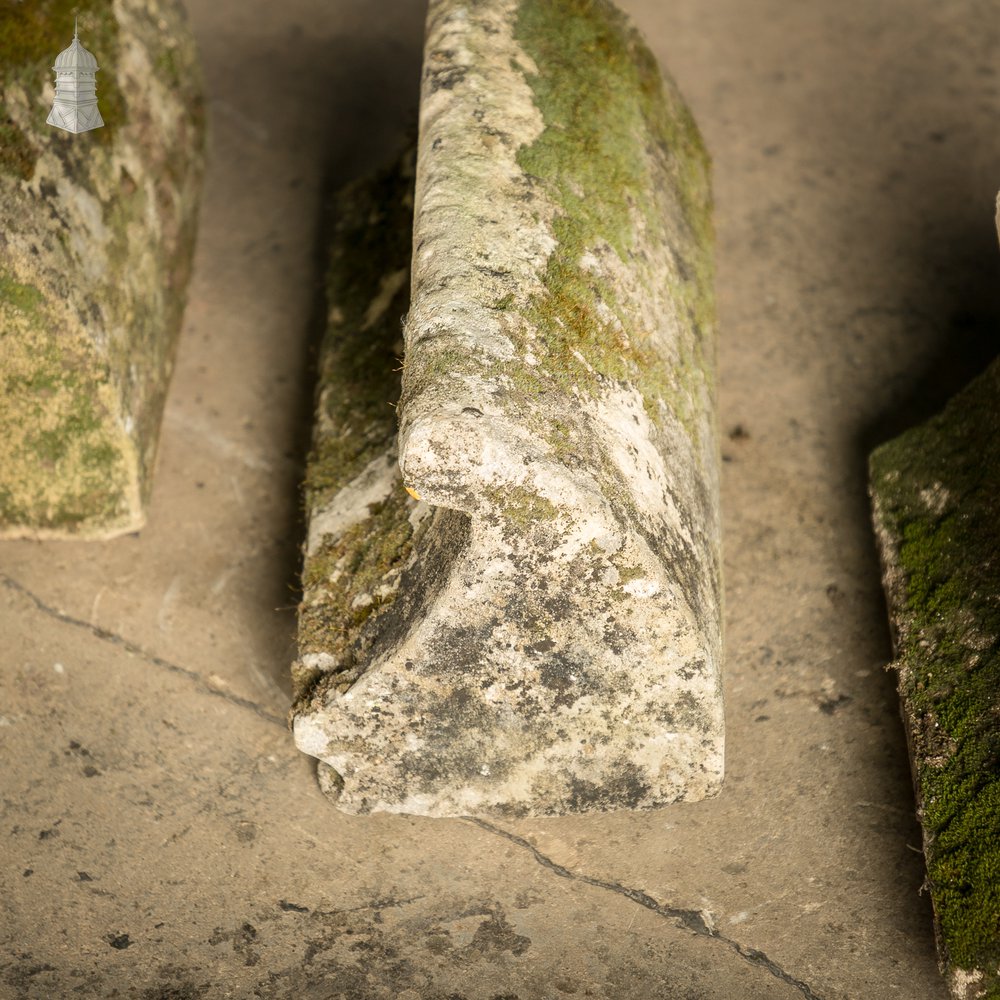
[[75, 107]]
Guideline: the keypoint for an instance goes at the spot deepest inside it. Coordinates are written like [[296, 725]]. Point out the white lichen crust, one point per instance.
[[95, 253], [553, 642]]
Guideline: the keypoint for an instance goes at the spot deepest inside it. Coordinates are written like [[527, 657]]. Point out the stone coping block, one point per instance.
[[518, 612], [96, 242], [936, 502]]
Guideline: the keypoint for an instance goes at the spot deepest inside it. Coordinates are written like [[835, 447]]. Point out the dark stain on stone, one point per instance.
[[616, 637], [559, 607], [624, 789], [438, 941], [292, 907], [496, 934], [688, 712], [830, 706], [182, 991], [20, 976], [119, 941], [243, 941], [351, 957], [441, 72], [127, 181], [243, 938], [246, 831], [565, 677], [684, 272], [493, 272], [540, 647], [692, 668]]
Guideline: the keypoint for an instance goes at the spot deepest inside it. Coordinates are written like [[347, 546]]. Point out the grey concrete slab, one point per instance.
[[855, 146]]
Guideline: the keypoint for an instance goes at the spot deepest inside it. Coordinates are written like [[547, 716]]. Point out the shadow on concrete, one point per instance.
[[345, 105], [943, 337]]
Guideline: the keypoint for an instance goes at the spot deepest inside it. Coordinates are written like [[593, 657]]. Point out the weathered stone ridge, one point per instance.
[[95, 256], [553, 642], [936, 500]]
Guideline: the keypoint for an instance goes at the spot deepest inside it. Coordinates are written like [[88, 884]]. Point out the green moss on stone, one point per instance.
[[169, 67], [628, 573], [360, 367], [25, 298], [937, 490], [342, 580], [523, 507], [54, 402], [17, 155], [359, 383], [604, 101]]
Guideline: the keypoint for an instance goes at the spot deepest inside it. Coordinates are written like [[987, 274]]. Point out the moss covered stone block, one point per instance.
[[514, 608], [936, 500], [96, 241], [360, 529]]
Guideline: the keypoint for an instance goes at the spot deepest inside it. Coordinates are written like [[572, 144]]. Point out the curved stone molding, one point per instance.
[[550, 637]]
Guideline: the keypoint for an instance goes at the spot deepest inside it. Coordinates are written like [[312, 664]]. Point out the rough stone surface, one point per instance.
[[360, 533], [95, 253], [536, 627], [936, 498]]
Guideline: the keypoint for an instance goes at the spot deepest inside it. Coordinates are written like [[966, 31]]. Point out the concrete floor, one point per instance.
[[163, 839]]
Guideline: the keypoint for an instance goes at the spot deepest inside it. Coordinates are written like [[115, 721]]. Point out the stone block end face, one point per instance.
[[525, 617], [94, 262], [936, 508], [489, 773]]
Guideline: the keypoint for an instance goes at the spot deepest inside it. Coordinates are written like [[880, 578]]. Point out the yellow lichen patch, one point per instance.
[[67, 465]]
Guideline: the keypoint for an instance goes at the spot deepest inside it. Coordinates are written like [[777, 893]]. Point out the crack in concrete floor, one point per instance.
[[691, 920], [158, 661]]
